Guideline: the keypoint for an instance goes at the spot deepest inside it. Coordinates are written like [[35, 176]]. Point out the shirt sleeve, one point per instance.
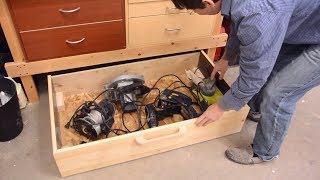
[[260, 36], [232, 46]]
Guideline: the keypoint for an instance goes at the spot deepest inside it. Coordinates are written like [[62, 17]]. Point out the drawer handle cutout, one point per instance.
[[69, 11], [75, 42], [173, 29], [180, 133]]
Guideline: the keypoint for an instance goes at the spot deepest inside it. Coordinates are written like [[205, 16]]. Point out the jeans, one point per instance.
[[297, 70]]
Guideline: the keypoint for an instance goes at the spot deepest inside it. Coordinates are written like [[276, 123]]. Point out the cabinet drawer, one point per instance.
[[39, 14], [118, 149], [154, 8], [167, 28], [74, 40]]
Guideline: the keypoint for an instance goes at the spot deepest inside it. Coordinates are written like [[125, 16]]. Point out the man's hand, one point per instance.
[[221, 66], [213, 113]]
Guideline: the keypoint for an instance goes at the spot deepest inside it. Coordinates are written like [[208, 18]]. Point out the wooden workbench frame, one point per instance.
[[25, 70]]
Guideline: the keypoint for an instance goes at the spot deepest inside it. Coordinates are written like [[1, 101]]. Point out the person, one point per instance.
[[277, 43]]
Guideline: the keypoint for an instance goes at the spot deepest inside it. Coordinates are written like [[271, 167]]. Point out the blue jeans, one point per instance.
[[297, 70]]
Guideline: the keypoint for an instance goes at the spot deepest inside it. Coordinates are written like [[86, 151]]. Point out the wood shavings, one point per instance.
[[69, 137]]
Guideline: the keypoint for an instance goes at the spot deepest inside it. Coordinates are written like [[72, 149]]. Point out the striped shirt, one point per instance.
[[258, 30]]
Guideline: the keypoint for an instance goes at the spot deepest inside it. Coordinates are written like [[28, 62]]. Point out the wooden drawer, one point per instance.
[[166, 28], [139, 144], [82, 39], [154, 8], [39, 14]]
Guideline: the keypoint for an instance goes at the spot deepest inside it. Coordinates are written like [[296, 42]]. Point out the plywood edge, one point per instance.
[[177, 58], [126, 16], [207, 58], [72, 83], [59, 101], [52, 117], [57, 64]]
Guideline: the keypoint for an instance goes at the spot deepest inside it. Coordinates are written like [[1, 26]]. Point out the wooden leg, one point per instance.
[[30, 88], [211, 53]]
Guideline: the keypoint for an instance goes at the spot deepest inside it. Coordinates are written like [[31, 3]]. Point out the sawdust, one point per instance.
[[69, 137]]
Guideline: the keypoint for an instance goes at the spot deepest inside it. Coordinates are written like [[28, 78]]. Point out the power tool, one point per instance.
[[204, 89], [170, 102], [92, 119], [126, 89]]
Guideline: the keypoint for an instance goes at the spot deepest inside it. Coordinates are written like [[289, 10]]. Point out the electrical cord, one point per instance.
[[136, 104]]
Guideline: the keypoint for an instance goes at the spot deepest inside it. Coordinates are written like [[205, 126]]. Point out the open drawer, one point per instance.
[[142, 143]]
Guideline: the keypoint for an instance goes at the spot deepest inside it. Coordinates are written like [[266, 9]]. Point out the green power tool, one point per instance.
[[205, 89]]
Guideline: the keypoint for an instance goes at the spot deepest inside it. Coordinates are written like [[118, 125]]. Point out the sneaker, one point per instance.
[[254, 116], [243, 155]]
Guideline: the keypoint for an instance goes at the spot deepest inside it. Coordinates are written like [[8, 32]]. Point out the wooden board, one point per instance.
[[152, 30], [30, 88], [8, 27], [22, 69], [142, 143], [150, 69]]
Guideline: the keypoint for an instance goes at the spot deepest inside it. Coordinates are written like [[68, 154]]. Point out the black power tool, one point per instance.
[[170, 103], [92, 119], [126, 89]]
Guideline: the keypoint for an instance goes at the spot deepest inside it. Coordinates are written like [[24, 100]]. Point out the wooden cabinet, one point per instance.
[[58, 28]]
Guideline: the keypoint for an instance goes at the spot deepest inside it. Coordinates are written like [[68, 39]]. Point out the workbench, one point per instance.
[[46, 36]]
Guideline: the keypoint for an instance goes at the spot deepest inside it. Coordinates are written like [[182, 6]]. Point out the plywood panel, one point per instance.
[[150, 30]]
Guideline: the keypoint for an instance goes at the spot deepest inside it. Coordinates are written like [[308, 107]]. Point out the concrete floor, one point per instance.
[[29, 156]]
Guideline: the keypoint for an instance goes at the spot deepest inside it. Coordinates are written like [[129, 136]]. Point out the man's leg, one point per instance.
[[280, 95], [287, 54], [279, 101]]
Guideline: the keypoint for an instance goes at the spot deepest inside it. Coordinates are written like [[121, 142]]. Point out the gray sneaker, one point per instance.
[[243, 155], [254, 116]]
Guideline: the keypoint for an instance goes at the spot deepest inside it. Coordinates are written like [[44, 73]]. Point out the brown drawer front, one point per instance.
[[82, 39], [39, 14]]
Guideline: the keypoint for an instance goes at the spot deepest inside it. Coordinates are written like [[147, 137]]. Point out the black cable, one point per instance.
[[115, 131]]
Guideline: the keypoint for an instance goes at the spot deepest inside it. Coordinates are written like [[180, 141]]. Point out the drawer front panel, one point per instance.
[[154, 8], [39, 14], [167, 28], [74, 40]]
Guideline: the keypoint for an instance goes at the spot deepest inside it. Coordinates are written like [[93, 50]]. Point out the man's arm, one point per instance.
[[232, 46], [260, 36]]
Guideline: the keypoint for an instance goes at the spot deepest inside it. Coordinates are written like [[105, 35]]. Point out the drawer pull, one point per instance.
[[181, 132], [75, 42], [69, 11], [173, 29]]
